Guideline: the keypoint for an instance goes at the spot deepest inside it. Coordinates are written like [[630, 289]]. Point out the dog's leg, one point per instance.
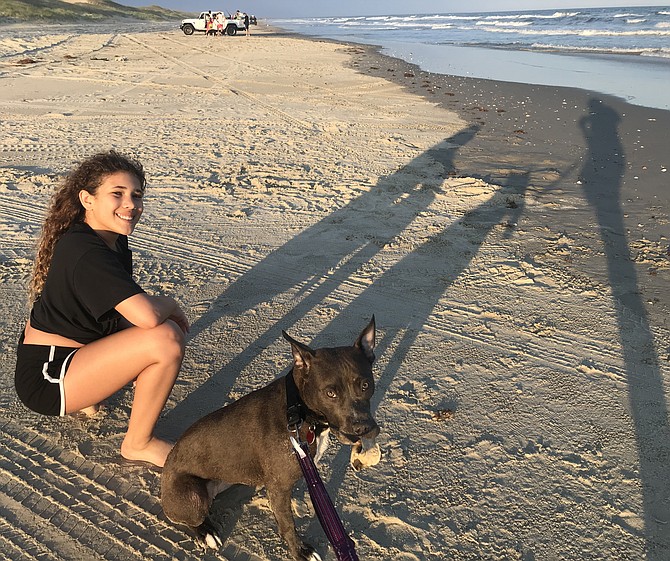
[[185, 499], [280, 503], [209, 533]]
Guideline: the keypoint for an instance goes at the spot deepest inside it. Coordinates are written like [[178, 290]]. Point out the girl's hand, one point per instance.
[[179, 317]]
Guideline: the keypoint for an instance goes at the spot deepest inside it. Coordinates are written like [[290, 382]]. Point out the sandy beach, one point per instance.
[[511, 240]]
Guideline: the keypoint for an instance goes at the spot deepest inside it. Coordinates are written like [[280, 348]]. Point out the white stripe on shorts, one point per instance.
[[59, 380]]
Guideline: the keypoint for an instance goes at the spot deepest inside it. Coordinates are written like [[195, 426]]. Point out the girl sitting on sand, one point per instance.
[[92, 328]]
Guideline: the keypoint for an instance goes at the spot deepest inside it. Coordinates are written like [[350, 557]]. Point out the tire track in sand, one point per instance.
[[68, 507], [150, 239], [451, 323], [236, 91]]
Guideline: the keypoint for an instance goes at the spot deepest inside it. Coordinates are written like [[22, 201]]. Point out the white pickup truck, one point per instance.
[[230, 26]]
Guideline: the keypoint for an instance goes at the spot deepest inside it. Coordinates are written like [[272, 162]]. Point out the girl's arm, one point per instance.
[[147, 311]]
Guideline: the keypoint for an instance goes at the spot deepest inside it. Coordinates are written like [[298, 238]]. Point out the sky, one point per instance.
[[315, 8]]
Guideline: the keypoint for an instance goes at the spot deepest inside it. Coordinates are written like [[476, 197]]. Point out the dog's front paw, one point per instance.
[[209, 534], [308, 553]]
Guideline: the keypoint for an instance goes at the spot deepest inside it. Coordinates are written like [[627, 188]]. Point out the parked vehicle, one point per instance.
[[230, 26]]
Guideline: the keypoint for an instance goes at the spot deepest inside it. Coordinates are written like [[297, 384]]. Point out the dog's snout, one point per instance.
[[365, 427], [361, 423]]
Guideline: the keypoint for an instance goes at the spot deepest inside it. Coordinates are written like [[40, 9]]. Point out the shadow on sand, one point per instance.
[[343, 246], [333, 249], [601, 178]]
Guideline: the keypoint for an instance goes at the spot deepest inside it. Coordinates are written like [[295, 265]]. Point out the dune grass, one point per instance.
[[96, 10]]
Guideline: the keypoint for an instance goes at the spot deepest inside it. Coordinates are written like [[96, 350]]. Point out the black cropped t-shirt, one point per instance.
[[86, 280]]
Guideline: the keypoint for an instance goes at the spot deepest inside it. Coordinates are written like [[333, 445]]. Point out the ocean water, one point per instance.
[[618, 51]]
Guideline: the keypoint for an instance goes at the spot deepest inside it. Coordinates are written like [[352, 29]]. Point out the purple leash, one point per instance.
[[325, 511], [296, 412]]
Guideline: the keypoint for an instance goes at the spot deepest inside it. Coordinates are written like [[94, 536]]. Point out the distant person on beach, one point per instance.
[[92, 329], [246, 24]]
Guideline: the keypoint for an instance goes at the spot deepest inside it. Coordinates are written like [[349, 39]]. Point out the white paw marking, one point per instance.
[[213, 541]]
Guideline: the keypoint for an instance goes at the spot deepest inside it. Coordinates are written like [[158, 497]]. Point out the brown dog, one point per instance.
[[247, 441]]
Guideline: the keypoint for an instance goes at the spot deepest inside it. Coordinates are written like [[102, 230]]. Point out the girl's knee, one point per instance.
[[169, 339], [175, 332]]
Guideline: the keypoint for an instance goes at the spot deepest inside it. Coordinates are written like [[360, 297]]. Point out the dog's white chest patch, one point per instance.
[[321, 445]]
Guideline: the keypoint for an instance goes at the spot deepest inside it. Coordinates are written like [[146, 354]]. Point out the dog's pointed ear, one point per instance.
[[366, 340], [302, 354]]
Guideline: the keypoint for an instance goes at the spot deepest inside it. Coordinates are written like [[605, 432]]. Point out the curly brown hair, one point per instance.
[[66, 209]]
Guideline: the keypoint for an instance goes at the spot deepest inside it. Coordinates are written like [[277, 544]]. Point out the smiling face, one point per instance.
[[116, 206]]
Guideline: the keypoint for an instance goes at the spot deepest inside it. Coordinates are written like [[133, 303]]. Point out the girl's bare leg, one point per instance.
[[151, 357]]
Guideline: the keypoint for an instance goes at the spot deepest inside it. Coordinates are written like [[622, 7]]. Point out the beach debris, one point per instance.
[[26, 61], [443, 414], [409, 75]]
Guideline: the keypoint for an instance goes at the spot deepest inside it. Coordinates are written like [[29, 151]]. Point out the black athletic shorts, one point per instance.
[[40, 370]]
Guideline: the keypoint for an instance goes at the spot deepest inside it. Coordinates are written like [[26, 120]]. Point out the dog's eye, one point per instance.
[[331, 393], [365, 385]]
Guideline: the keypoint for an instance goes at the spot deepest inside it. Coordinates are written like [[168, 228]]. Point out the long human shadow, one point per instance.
[[432, 267], [601, 178], [412, 288], [317, 261]]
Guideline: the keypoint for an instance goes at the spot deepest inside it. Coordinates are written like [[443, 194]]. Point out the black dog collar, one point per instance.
[[297, 412], [295, 408]]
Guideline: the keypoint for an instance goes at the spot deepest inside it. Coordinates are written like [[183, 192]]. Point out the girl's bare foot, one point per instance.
[[155, 451], [90, 411], [87, 412]]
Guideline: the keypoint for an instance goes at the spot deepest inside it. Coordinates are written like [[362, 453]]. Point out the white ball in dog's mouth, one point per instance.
[[365, 453]]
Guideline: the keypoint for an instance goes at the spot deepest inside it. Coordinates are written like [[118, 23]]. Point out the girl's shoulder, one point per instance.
[[81, 249], [81, 239], [80, 235]]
